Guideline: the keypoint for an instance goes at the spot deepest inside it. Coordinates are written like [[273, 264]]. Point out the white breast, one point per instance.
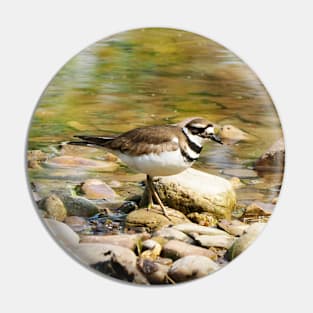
[[163, 164]]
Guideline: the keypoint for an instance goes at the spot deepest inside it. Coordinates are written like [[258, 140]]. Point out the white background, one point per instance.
[[274, 38]]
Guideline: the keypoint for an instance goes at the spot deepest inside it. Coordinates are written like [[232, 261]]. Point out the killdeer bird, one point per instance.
[[157, 150]]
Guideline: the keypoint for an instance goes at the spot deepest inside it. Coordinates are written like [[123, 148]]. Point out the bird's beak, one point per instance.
[[215, 138]]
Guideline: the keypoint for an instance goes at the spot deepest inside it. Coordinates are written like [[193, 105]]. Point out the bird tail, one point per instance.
[[91, 141]]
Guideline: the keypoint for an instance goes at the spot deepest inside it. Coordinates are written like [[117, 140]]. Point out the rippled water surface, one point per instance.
[[148, 77]]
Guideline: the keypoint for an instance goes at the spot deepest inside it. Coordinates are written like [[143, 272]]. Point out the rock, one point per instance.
[[96, 189], [236, 182], [191, 228], [233, 227], [175, 249], [204, 219], [123, 240], [62, 233], [77, 223], [155, 272], [243, 242], [54, 207], [153, 250], [196, 191], [191, 267], [255, 213], [221, 241], [79, 206], [273, 160], [154, 219], [66, 161], [230, 133], [171, 233], [116, 261], [37, 155], [33, 164]]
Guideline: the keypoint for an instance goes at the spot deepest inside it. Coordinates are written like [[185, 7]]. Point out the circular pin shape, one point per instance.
[[155, 156]]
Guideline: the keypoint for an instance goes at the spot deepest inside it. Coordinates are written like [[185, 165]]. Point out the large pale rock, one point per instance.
[[243, 242], [191, 267], [196, 191], [154, 219], [113, 260], [175, 249]]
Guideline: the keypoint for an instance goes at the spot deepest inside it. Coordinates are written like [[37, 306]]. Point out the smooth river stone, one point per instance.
[[154, 219], [197, 191], [54, 207], [79, 162], [175, 249], [220, 241], [191, 228], [171, 233], [62, 233], [243, 242], [191, 267], [113, 260], [96, 189], [234, 227], [155, 272], [123, 240]]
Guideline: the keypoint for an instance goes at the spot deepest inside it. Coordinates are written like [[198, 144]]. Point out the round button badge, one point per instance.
[[155, 156]]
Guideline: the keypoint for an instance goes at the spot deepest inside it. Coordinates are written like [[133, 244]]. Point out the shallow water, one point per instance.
[[148, 77]]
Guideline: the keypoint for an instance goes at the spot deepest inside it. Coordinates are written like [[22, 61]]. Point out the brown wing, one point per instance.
[[151, 139]]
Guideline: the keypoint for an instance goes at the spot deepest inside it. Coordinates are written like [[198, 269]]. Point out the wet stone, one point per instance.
[[77, 223], [204, 219], [54, 207], [123, 240], [113, 260], [155, 272], [74, 161], [175, 249], [233, 227], [171, 233], [243, 242], [191, 267], [96, 189], [154, 218]]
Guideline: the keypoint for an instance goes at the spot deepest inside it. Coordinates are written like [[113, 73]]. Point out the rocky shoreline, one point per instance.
[[118, 236]]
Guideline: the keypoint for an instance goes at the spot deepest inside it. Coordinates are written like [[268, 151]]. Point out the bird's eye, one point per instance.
[[196, 130]]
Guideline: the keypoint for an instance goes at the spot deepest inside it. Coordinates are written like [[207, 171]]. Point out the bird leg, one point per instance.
[[150, 201], [154, 193]]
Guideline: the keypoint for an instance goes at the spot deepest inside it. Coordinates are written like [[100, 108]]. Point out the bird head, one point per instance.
[[204, 129]]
